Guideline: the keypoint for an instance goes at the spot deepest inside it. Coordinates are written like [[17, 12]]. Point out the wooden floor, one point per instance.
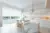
[[45, 30], [12, 28]]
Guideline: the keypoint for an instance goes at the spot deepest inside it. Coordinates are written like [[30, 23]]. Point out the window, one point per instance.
[[6, 17], [15, 17], [11, 15]]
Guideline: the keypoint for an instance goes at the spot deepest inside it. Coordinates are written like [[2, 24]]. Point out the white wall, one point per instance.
[[0, 15], [42, 12]]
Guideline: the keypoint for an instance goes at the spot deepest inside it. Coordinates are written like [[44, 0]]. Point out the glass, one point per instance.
[[10, 15], [6, 17]]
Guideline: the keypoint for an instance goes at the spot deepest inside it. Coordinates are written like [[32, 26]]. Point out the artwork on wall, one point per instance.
[[45, 17]]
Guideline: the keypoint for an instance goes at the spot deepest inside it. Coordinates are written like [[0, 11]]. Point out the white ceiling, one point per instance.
[[19, 3], [24, 3]]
